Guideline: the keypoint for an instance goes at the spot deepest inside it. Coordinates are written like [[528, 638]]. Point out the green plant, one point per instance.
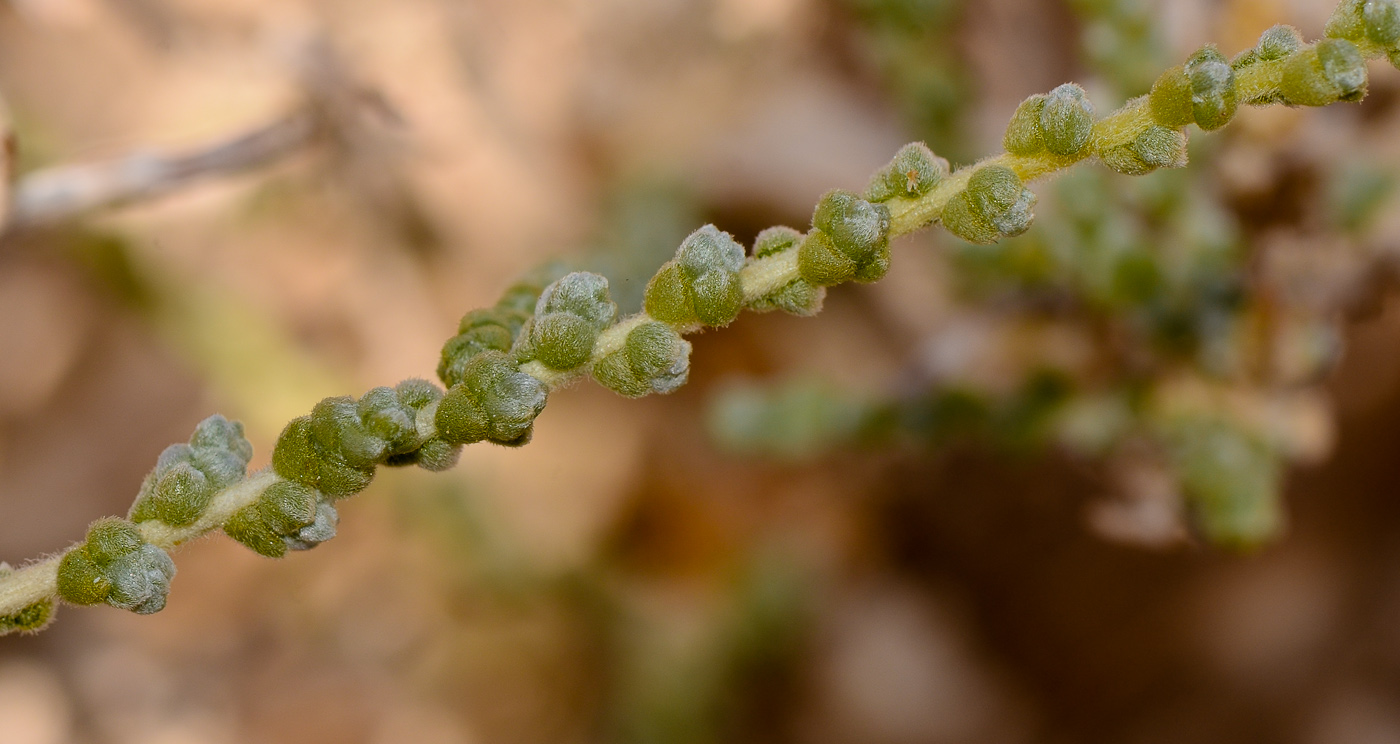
[[542, 335]]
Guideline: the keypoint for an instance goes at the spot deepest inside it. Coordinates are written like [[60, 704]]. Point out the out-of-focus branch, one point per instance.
[[55, 194], [337, 111]]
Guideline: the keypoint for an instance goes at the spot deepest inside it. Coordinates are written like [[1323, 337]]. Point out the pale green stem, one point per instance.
[[225, 504], [39, 581], [33, 583], [759, 278]]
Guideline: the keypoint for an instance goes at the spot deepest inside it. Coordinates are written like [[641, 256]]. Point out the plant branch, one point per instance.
[[505, 360]]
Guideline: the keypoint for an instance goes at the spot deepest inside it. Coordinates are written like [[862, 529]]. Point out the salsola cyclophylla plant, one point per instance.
[[505, 361]]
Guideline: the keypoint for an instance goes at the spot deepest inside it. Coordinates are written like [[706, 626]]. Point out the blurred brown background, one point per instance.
[[621, 579]]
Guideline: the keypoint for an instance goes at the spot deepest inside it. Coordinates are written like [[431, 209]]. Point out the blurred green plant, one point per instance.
[[505, 360], [912, 47], [1120, 42], [711, 684]]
